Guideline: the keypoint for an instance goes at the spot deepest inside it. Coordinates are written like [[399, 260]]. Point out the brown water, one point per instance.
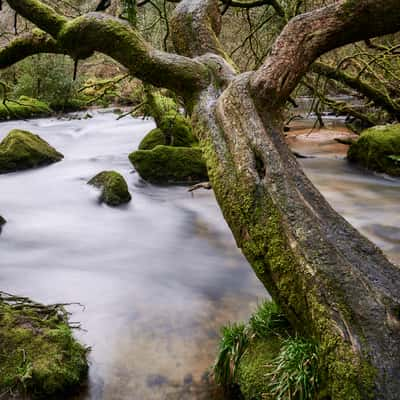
[[158, 277]]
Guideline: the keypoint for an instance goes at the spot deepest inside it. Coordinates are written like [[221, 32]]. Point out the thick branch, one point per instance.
[[43, 16], [195, 28], [310, 35], [92, 32], [26, 46]]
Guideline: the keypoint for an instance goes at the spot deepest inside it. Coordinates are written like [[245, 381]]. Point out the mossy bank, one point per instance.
[[39, 357], [24, 107], [378, 149], [21, 150]]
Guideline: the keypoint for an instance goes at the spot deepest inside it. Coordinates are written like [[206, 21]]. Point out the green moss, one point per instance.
[[377, 149], [24, 107], [177, 130], [21, 150], [154, 138], [38, 354], [114, 188], [254, 367], [167, 164]]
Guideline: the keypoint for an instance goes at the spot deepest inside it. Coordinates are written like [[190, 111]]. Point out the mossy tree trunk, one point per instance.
[[334, 284]]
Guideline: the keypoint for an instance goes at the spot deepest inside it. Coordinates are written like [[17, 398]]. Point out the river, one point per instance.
[[159, 276]]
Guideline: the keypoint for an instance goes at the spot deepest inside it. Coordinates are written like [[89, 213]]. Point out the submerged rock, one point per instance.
[[168, 164], [378, 149], [21, 150], [114, 188], [40, 357]]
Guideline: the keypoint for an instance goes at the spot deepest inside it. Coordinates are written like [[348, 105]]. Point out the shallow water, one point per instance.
[[158, 277]]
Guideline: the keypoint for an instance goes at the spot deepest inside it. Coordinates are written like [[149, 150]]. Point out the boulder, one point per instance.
[[378, 149], [21, 150], [114, 190]]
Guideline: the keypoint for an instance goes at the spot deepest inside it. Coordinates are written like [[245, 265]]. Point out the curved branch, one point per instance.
[[256, 3], [310, 35], [43, 16], [110, 36], [26, 46]]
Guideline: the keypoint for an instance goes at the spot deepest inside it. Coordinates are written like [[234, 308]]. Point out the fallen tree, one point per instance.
[[333, 284]]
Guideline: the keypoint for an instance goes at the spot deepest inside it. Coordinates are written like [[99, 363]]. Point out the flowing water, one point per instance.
[[159, 276]]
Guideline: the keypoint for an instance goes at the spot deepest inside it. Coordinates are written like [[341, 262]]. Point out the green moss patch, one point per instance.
[[21, 150], [114, 188], [378, 149], [154, 138], [167, 164], [39, 356], [255, 366], [24, 107]]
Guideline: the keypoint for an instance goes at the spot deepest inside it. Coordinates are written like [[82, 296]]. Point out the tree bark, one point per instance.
[[334, 284]]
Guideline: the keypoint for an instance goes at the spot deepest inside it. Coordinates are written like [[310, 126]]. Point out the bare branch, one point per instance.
[[310, 35]]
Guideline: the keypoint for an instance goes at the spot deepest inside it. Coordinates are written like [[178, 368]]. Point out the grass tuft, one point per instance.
[[234, 341], [294, 373]]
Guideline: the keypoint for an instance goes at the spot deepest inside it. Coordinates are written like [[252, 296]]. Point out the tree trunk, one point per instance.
[[333, 284]]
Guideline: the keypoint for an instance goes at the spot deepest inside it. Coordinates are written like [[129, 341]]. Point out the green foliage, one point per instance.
[[294, 372], [21, 150], [233, 343], [48, 78], [268, 319], [114, 188]]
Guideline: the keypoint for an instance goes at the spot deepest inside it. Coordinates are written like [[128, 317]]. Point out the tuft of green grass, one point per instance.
[[294, 373], [234, 342], [268, 319]]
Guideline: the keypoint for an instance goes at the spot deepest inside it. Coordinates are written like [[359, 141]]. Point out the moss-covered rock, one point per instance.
[[174, 130], [177, 130], [114, 190], [21, 150], [39, 356], [167, 164], [24, 107], [154, 138], [2, 221], [378, 149]]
